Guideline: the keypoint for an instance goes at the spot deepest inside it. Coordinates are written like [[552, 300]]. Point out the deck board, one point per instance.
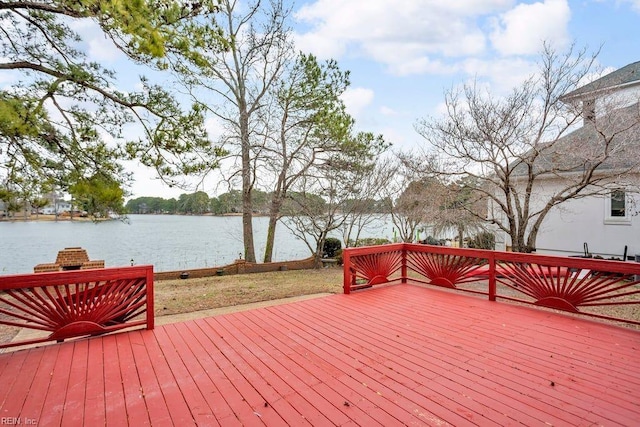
[[115, 406], [396, 355], [55, 401], [94, 404], [75, 397]]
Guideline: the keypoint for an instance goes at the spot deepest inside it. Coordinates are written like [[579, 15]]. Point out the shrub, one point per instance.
[[331, 247], [430, 240], [369, 241], [484, 240]]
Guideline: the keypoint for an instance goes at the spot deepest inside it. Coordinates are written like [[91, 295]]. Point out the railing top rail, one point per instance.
[[571, 262], [446, 250], [365, 250], [613, 266], [55, 278]]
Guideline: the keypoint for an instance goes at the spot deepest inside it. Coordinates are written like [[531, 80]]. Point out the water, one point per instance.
[[167, 242]]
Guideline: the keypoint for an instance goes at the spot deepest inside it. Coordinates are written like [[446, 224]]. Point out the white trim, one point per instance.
[[617, 220]]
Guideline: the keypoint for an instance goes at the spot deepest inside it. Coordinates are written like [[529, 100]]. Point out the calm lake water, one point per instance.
[[168, 242]]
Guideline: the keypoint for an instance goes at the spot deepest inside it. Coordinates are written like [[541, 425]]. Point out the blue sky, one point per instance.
[[402, 62], [404, 54]]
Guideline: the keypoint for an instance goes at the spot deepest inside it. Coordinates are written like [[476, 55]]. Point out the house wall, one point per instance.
[[61, 207], [622, 97], [569, 225]]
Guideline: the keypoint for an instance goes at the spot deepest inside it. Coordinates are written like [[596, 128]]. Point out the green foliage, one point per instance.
[[331, 247], [339, 259], [483, 240], [55, 120], [98, 195], [309, 99], [303, 203], [231, 202], [151, 205], [430, 240], [368, 241], [38, 203], [196, 203]]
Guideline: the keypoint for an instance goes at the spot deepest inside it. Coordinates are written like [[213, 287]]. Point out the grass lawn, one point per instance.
[[183, 296]]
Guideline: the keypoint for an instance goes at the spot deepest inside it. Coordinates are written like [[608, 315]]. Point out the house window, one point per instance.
[[616, 211], [618, 204]]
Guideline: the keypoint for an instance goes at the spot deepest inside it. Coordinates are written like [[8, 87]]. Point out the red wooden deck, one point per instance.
[[396, 355]]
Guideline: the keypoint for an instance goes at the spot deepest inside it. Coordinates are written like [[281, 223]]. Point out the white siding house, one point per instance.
[[606, 226], [59, 207], [609, 221]]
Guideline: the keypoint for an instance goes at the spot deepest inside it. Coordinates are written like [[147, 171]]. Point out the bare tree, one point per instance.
[[321, 205], [368, 207], [241, 76], [460, 209], [512, 146], [417, 206], [415, 194], [304, 124]]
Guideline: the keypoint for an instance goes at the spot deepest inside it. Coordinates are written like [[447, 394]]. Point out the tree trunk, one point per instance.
[[247, 187], [274, 214], [247, 227], [319, 247]]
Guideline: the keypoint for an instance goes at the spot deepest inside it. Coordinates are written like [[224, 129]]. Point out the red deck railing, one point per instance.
[[599, 288], [76, 303]]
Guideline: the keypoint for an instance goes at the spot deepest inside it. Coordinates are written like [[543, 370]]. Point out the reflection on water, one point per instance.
[[166, 241]]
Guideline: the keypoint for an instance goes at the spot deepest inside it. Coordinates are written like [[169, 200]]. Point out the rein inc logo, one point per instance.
[[18, 421]]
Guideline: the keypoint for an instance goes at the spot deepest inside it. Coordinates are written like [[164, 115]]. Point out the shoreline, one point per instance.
[[49, 218], [66, 218]]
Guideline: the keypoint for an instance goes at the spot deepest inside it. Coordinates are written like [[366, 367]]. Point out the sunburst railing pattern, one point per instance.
[[446, 269], [574, 287], [368, 267], [77, 303], [570, 284]]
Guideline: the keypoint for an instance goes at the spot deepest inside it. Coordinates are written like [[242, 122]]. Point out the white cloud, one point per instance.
[[8, 77], [399, 137], [214, 128], [635, 4], [102, 49], [322, 47], [388, 111], [521, 30], [502, 74], [405, 35], [97, 45], [356, 100]]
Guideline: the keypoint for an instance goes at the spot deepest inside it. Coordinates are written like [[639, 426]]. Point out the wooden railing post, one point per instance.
[[492, 277], [346, 271], [150, 306], [403, 270]]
